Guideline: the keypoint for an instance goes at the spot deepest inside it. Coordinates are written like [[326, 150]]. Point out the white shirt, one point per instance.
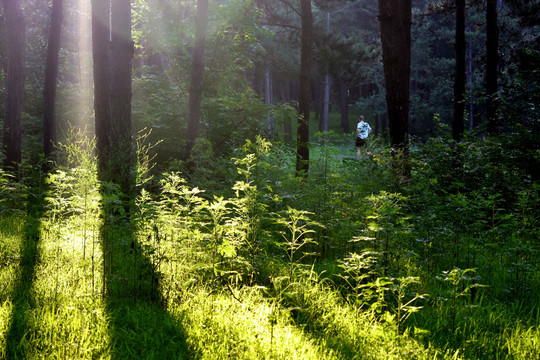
[[363, 129]]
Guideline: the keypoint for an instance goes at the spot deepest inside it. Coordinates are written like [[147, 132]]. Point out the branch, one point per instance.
[[286, 2], [282, 25]]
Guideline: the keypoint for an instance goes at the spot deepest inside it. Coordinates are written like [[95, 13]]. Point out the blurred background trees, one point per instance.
[[252, 64]]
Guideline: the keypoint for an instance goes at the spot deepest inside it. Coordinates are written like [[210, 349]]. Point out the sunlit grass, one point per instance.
[[11, 240], [80, 283]]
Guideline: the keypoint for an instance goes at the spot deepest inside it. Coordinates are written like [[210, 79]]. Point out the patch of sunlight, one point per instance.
[[523, 343], [68, 318], [75, 328], [11, 236], [6, 309], [217, 327]]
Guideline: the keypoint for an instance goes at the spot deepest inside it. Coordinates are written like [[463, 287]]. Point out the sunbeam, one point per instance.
[[83, 117]]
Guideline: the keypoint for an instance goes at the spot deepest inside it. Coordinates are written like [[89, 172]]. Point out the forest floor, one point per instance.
[[183, 276]]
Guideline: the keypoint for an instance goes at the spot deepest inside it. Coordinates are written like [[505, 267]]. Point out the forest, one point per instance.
[[190, 179]]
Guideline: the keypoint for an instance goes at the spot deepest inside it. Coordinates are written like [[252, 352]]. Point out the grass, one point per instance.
[[81, 280]]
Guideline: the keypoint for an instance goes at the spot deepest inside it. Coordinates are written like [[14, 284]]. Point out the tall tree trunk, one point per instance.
[[326, 103], [51, 74], [458, 125], [15, 83], [344, 102], [395, 22], [326, 99], [197, 74], [121, 62], [268, 100], [101, 55], [471, 86], [492, 45], [302, 147]]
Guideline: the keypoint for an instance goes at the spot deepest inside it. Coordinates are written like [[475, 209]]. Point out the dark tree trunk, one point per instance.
[[344, 97], [15, 83], [458, 125], [51, 74], [269, 100], [121, 62], [101, 55], [492, 45], [302, 138], [197, 74], [384, 126], [395, 22]]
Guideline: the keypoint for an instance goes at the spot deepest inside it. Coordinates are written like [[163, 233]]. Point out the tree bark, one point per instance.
[[101, 55], [344, 97], [197, 75], [458, 125], [15, 83], [395, 22], [51, 75], [492, 45], [302, 138], [121, 62]]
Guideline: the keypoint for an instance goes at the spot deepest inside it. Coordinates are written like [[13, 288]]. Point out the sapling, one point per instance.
[[298, 227], [461, 286], [405, 304]]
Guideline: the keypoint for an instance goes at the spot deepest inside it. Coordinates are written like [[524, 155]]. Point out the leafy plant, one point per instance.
[[298, 225]]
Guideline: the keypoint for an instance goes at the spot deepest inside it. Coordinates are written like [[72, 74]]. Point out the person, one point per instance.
[[362, 132]]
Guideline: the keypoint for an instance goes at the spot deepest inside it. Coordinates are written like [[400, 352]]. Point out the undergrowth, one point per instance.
[[346, 264]]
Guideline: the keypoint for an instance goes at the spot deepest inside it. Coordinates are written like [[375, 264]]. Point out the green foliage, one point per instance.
[[298, 226], [12, 193], [240, 273]]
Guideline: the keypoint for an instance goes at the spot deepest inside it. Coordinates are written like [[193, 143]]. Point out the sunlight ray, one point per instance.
[[84, 100]]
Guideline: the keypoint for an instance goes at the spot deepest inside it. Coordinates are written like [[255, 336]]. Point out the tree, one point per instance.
[[15, 29], [458, 125], [122, 51], [492, 48], [51, 74], [459, 80], [100, 54], [197, 74], [395, 23], [113, 55], [302, 138]]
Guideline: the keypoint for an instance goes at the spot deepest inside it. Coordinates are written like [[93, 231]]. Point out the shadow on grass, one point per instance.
[[139, 326], [22, 290]]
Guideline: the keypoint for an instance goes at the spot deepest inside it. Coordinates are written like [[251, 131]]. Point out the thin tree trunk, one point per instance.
[[344, 97], [197, 74], [471, 86], [51, 75], [15, 83], [459, 80], [268, 99], [326, 103], [302, 151], [492, 45], [326, 99]]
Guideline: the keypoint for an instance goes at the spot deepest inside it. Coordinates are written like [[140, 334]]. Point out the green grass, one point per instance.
[[80, 280]]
